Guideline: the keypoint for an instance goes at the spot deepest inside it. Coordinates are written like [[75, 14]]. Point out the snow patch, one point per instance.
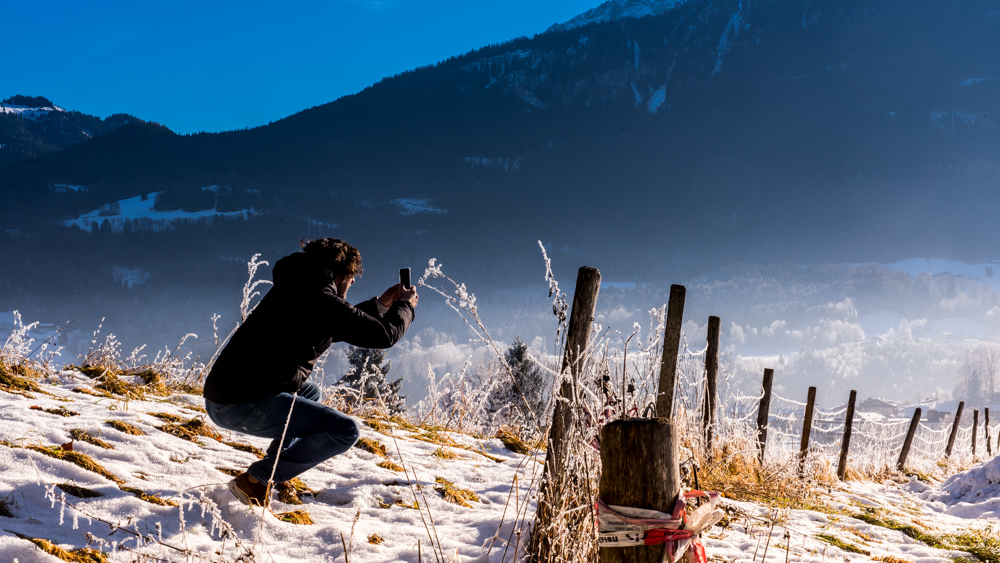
[[141, 207], [657, 99], [414, 206]]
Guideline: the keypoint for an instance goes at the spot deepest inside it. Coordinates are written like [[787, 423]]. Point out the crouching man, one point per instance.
[[251, 386]]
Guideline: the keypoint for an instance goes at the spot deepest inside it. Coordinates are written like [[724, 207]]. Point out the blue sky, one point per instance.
[[215, 66]]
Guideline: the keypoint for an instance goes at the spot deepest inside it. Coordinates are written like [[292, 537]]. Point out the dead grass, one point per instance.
[[246, 448], [289, 492], [372, 446], [167, 416], [83, 436], [375, 539], [78, 491], [442, 453], [191, 430], [18, 380], [230, 472], [890, 559], [76, 458], [388, 464], [513, 442], [398, 502], [91, 392], [300, 517], [435, 437], [82, 555], [61, 411], [125, 427], [453, 494], [153, 499]]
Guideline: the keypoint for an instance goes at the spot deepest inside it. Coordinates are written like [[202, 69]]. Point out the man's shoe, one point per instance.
[[248, 492]]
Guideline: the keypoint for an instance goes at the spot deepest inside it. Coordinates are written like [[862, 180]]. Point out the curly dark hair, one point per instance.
[[340, 257]]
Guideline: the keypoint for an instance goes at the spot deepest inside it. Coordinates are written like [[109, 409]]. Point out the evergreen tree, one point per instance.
[[531, 380], [368, 375]]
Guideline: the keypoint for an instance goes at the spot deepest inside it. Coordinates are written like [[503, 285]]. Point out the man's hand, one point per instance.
[[396, 293], [409, 295]]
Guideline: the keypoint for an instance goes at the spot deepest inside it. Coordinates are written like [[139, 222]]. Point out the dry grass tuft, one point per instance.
[[398, 502], [61, 411], [436, 437], [83, 436], [453, 494], [300, 517], [82, 555], [91, 392], [372, 446], [377, 425], [76, 458], [890, 559], [191, 429], [246, 448], [442, 453], [375, 539], [153, 499], [167, 416], [513, 442], [230, 472], [289, 492], [17, 380], [125, 427], [78, 491], [388, 464]]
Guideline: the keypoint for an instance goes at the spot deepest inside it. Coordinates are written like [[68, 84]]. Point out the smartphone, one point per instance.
[[404, 277]]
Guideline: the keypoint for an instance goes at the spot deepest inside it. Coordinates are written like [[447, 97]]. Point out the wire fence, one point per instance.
[[875, 443]]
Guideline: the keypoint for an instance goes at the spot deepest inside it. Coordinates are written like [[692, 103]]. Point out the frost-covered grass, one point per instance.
[[116, 455]]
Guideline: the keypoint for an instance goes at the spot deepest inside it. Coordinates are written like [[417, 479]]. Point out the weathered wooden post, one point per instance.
[[845, 444], [763, 411], [910, 432], [975, 430], [671, 343], [807, 423], [954, 429], [711, 380], [640, 468], [986, 424], [588, 283]]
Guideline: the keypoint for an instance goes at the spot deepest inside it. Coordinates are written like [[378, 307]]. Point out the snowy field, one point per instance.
[[356, 499]]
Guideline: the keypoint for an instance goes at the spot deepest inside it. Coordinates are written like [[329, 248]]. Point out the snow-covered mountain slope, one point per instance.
[[618, 9]]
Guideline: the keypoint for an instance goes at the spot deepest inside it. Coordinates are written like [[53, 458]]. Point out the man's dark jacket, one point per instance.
[[296, 321]]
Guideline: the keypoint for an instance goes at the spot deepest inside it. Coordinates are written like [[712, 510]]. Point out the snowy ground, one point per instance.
[[351, 492]]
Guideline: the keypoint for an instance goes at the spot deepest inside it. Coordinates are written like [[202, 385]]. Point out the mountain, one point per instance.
[[714, 132], [34, 126], [618, 9]]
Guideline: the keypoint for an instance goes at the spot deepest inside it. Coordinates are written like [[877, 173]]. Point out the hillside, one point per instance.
[[805, 131]]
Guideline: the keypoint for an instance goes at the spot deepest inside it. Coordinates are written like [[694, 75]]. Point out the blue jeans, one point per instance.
[[315, 433]]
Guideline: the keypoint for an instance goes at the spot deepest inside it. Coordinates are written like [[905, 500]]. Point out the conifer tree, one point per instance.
[[368, 375], [530, 379]]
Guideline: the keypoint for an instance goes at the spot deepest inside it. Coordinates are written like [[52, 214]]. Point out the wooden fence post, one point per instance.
[[640, 468], [671, 343], [986, 423], [806, 430], [954, 429], [711, 380], [910, 432], [763, 411], [975, 430], [588, 283], [845, 444]]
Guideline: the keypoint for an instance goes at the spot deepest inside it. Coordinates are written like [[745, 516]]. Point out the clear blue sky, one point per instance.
[[214, 66]]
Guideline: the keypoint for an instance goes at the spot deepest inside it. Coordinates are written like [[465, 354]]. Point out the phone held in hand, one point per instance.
[[404, 277]]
